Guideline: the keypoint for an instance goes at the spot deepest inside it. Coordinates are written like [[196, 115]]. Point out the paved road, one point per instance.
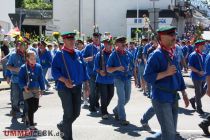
[[92, 127]]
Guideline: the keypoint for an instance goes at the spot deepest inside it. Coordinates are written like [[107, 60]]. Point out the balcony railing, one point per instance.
[[36, 14]]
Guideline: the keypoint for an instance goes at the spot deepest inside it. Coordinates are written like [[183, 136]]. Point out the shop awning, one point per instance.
[[133, 13], [165, 13]]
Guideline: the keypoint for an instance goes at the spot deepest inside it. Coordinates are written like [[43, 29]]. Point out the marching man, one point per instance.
[[121, 65], [69, 71], [163, 73]]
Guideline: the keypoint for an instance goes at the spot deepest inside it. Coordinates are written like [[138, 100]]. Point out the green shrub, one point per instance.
[[34, 4]]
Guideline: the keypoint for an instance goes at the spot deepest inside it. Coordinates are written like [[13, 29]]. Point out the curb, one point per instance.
[[1, 89]]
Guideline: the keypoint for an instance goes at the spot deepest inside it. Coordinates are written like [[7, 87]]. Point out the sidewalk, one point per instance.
[[4, 86], [3, 83]]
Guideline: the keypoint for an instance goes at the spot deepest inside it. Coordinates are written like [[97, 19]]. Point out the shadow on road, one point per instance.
[[189, 86], [22, 131], [197, 137], [157, 136], [204, 116], [186, 111], [5, 107], [47, 93], [15, 125], [131, 129]]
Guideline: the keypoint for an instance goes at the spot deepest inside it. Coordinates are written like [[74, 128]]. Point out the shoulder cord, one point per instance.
[[164, 88], [199, 61], [118, 58], [64, 61], [27, 72], [167, 57], [102, 61]]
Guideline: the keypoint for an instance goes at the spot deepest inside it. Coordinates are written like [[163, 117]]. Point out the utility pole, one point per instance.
[[79, 18], [20, 19], [94, 12], [137, 34]]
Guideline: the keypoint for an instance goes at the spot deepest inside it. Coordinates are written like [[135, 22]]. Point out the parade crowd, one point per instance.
[[89, 72]]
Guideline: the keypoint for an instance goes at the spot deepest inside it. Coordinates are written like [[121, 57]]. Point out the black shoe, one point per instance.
[[200, 111], [33, 128], [124, 122], [204, 127], [116, 116], [97, 106], [192, 102], [60, 126], [26, 121], [13, 113], [145, 94], [105, 117], [92, 109]]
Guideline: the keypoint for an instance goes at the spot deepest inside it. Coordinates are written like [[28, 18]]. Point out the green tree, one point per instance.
[[19, 3], [34, 4]]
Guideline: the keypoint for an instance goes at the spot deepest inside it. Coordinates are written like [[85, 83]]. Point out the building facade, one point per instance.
[[119, 17], [6, 7]]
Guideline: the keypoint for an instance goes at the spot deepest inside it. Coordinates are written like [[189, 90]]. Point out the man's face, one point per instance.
[[96, 39], [122, 45], [21, 46], [42, 46], [144, 42], [202, 47], [69, 41], [32, 59], [132, 46], [80, 46], [168, 40], [155, 44], [107, 45]]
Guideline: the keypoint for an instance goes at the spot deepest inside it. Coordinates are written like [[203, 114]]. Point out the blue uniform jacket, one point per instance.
[[15, 60], [45, 59], [163, 89], [197, 62], [35, 77], [190, 49], [146, 47], [8, 74], [133, 52], [75, 66], [207, 65], [108, 79], [185, 50], [127, 62], [90, 50], [139, 55], [207, 49]]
